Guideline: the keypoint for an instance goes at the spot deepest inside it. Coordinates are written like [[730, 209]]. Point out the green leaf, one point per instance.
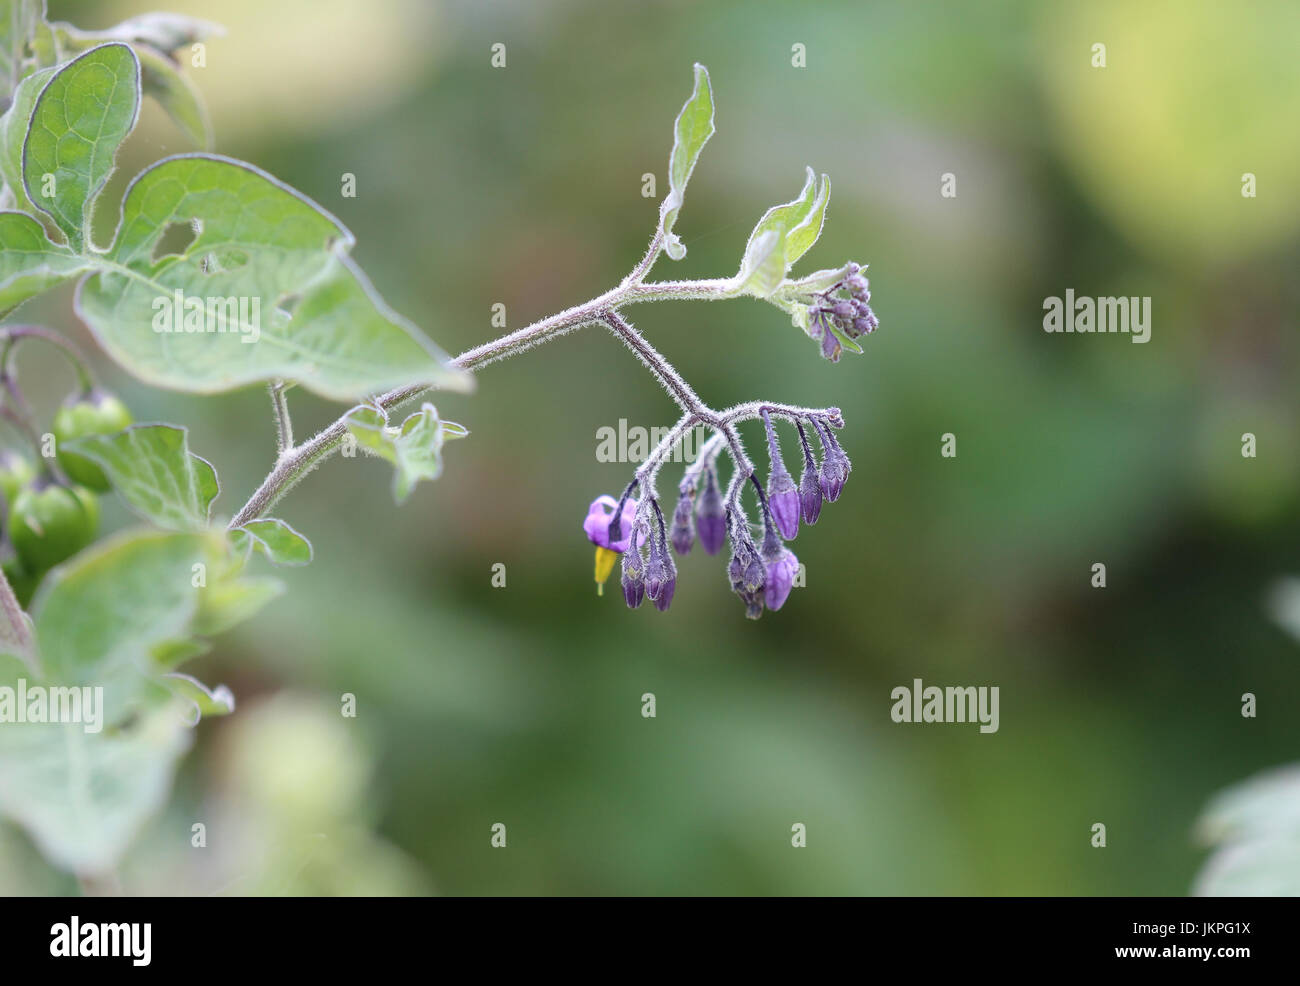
[[83, 796], [281, 544], [267, 280], [414, 448], [230, 601], [691, 132], [807, 231], [155, 37], [13, 132], [200, 699], [161, 78], [164, 32], [29, 262], [81, 117], [767, 258], [154, 471], [99, 615], [18, 23]]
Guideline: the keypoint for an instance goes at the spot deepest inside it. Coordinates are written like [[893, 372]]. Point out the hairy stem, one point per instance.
[[283, 424]]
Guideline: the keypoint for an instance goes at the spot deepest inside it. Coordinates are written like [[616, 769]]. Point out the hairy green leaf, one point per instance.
[[807, 231], [281, 544], [265, 291], [693, 128], [414, 448], [154, 471], [768, 258], [81, 117], [29, 262], [18, 23], [83, 796], [13, 132]]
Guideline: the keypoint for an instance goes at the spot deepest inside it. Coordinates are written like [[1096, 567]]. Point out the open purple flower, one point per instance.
[[597, 528]]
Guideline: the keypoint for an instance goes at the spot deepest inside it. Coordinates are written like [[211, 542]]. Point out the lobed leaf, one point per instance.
[[265, 291], [414, 448], [281, 544], [87, 108], [153, 470], [691, 131]]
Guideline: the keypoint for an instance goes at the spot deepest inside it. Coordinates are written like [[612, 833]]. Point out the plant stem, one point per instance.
[[283, 424]]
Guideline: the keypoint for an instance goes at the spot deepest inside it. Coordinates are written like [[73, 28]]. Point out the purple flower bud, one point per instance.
[[633, 578], [781, 568], [856, 283], [783, 499], [835, 464], [830, 345], [710, 516], [660, 572], [844, 309], [683, 524], [863, 326], [810, 492], [782, 496]]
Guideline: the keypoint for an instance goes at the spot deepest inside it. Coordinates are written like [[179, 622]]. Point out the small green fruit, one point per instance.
[[15, 473], [97, 413], [49, 523]]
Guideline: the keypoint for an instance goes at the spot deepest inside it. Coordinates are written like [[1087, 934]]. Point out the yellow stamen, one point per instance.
[[605, 559]]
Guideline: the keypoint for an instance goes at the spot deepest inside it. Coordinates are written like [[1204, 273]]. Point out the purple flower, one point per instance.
[[710, 517], [597, 524], [780, 569], [597, 527]]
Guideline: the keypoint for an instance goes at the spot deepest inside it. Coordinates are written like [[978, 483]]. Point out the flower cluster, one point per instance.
[[842, 312], [761, 573]]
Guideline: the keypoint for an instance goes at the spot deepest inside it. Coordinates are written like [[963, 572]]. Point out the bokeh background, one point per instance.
[[521, 705]]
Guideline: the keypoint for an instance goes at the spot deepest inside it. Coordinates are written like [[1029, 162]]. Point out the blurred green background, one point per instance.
[[521, 705]]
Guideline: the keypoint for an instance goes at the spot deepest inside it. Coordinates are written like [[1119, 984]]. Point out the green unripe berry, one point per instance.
[[15, 473], [97, 413], [49, 523]]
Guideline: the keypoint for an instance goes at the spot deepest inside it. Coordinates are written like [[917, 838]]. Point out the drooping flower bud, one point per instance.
[[710, 515], [684, 523], [780, 571], [782, 495], [810, 491], [835, 464], [660, 572], [633, 577]]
